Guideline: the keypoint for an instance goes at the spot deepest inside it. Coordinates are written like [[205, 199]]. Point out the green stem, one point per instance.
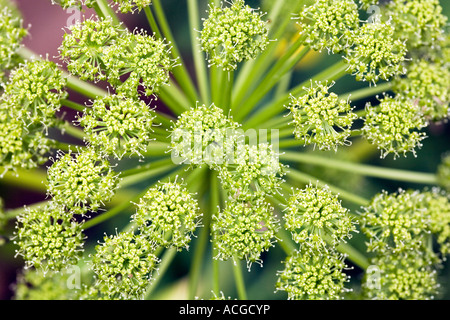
[[366, 170], [75, 132], [166, 260], [354, 255], [73, 105], [366, 92], [152, 22], [239, 280], [174, 98], [199, 57], [226, 90], [105, 10], [180, 72]]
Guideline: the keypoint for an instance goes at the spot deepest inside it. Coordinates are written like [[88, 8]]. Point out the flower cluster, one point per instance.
[[394, 126], [244, 230], [11, 35], [376, 53], [49, 237], [428, 85], [314, 213], [203, 135], [312, 274], [329, 24], [253, 171], [233, 34], [321, 118], [100, 50], [123, 265], [116, 125], [131, 5], [168, 215], [81, 182]]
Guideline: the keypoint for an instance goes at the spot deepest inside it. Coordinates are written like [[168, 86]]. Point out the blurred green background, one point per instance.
[[46, 24]]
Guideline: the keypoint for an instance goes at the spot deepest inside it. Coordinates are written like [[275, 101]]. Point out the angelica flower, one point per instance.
[[131, 5], [376, 53], [233, 34], [244, 230], [396, 222], [394, 126], [49, 237], [81, 182], [329, 24], [168, 215], [123, 265], [312, 274], [83, 49], [203, 134], [116, 125], [403, 277], [143, 59], [34, 92], [321, 118], [11, 35], [428, 85], [315, 212], [252, 171], [420, 23]]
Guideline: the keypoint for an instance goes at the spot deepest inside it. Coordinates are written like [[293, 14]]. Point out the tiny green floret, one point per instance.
[[233, 34]]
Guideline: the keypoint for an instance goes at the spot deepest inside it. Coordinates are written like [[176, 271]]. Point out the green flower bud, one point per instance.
[[394, 126], [81, 183], [315, 214], [376, 53], [168, 215], [123, 265], [244, 230], [48, 237], [312, 274], [233, 34], [330, 24], [116, 125], [321, 118]]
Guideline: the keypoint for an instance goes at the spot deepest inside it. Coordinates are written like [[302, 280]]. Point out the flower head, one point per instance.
[[83, 49], [141, 60], [403, 277], [252, 171], [202, 135], [168, 215], [396, 222], [11, 35], [116, 125], [131, 5], [321, 118], [244, 230], [312, 274], [420, 23], [123, 265], [329, 24], [394, 126], [34, 92], [376, 53], [49, 237], [81, 182], [315, 212], [428, 85], [233, 34]]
